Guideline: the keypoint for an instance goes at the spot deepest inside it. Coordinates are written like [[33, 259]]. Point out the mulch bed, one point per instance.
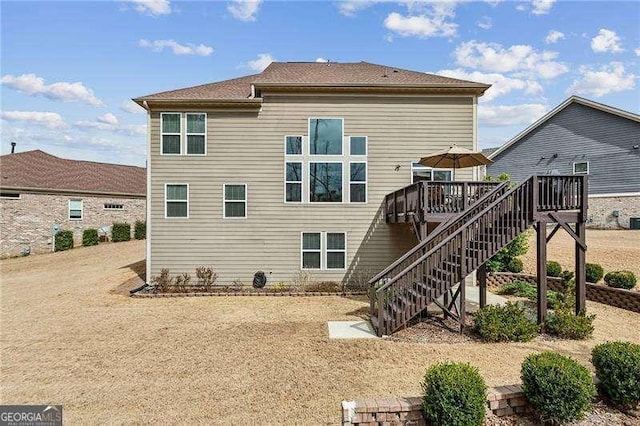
[[226, 291], [435, 329]]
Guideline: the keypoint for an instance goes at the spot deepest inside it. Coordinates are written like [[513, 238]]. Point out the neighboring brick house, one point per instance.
[[39, 191]]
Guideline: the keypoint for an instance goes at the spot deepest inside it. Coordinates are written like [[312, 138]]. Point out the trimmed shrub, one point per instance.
[[120, 232], [454, 394], [63, 240], [564, 323], [495, 265], [495, 323], [140, 230], [559, 388], [553, 268], [621, 279], [594, 272], [618, 368], [90, 237], [515, 265]]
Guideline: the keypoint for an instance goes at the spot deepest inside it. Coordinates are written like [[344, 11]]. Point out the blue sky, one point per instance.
[[68, 69]]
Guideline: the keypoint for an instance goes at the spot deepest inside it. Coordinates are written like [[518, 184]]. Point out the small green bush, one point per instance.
[[594, 272], [553, 269], [90, 237], [454, 394], [564, 323], [63, 240], [120, 232], [515, 265], [140, 230], [558, 387], [618, 368], [519, 288], [495, 323], [495, 265], [621, 279]]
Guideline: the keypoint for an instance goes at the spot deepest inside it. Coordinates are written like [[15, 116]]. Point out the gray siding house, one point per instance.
[[582, 137], [287, 170]]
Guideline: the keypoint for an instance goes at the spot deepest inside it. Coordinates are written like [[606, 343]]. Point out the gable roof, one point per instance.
[[314, 74], [571, 100], [39, 171]]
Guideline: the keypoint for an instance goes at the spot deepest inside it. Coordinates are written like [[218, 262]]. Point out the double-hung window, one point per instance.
[[176, 200], [183, 133], [75, 209], [293, 182], [235, 200], [324, 250], [358, 182], [581, 168]]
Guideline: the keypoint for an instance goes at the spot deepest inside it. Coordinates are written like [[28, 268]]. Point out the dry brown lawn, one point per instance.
[[614, 250], [108, 358]]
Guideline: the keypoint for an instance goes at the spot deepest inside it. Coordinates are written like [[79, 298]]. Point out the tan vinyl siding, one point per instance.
[[248, 147]]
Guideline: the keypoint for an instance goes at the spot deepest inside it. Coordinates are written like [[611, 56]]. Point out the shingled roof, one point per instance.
[[315, 74], [39, 171]]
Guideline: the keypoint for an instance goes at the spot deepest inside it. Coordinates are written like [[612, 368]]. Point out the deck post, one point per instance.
[[463, 308], [482, 283], [580, 269], [541, 247], [465, 196]]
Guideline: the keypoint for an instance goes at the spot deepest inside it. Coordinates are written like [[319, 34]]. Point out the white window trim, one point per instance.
[[301, 145], [309, 137], [343, 251], [81, 209], [162, 114], [412, 168], [303, 250], [366, 146], [580, 173], [322, 203], [186, 133], [301, 181], [104, 206], [165, 201], [245, 201], [365, 182], [323, 251]]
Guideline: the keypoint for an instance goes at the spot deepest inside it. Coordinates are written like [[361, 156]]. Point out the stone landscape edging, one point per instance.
[[239, 294], [616, 297]]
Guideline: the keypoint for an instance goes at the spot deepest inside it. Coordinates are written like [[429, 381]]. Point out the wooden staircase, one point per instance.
[[437, 266]]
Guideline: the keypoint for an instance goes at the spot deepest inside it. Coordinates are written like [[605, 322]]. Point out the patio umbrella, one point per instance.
[[455, 157]]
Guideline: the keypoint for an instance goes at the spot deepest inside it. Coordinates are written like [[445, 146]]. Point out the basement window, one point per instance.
[[110, 206]]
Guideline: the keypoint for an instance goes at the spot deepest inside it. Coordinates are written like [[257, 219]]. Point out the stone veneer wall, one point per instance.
[[28, 221], [600, 214], [502, 401]]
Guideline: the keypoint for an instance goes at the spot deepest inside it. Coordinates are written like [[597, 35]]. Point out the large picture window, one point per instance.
[[235, 201], [176, 198], [325, 182], [323, 250], [325, 136]]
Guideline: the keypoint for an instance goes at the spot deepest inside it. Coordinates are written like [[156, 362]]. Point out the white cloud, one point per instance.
[[541, 7], [244, 10], [50, 120], [177, 48], [609, 78], [261, 62], [32, 85], [485, 23], [131, 107], [321, 60], [151, 7], [553, 37], [518, 58], [351, 7], [637, 51], [500, 84], [110, 123], [509, 115], [420, 25], [606, 41]]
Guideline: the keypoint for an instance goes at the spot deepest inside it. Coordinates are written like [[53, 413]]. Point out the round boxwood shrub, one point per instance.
[[621, 279], [454, 394], [90, 237], [564, 323], [63, 240], [515, 265], [553, 269], [594, 272], [559, 388], [495, 323], [618, 368], [120, 232]]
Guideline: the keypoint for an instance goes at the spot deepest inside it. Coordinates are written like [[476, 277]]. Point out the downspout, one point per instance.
[[148, 200]]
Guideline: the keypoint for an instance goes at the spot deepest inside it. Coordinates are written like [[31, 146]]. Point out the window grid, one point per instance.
[[358, 181], [323, 251], [163, 150], [232, 198], [176, 201], [185, 133], [198, 135]]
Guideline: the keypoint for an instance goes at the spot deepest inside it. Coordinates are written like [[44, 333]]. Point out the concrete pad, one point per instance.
[[351, 330]]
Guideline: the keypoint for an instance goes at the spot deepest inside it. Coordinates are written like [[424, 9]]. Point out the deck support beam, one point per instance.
[[482, 283], [541, 259], [580, 273]]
